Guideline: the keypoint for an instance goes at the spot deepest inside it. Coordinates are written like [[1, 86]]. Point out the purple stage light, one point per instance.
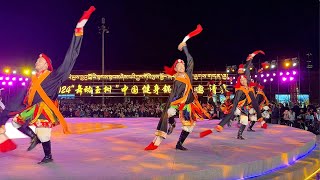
[[294, 72], [287, 73], [268, 75], [271, 79], [284, 79], [1, 78], [20, 79], [231, 82], [274, 74], [3, 83], [291, 78], [281, 73], [255, 76], [26, 79], [14, 78], [234, 77], [265, 80], [228, 78], [7, 78], [23, 83], [10, 83], [262, 75]]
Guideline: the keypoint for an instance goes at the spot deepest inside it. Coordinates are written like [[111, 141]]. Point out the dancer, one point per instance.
[[182, 100], [240, 95], [41, 106]]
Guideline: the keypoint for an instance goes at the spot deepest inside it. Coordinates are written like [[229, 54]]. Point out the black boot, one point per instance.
[[241, 131], [250, 127], [34, 138], [172, 125], [184, 134], [47, 153]]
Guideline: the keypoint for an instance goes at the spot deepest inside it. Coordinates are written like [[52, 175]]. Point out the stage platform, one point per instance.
[[112, 148]]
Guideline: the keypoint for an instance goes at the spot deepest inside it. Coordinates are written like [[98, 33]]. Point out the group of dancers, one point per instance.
[[249, 103], [37, 104]]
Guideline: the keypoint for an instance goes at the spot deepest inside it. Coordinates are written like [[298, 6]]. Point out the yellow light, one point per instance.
[[26, 72], [309, 177], [287, 64], [267, 66], [7, 70]]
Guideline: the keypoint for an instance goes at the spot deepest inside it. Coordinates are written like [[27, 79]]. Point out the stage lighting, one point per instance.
[[255, 76], [10, 83], [268, 75], [3, 83], [7, 70], [273, 64], [14, 72], [287, 73], [7, 78], [33, 72], [1, 78], [281, 73], [228, 68], [14, 78], [295, 61], [284, 79], [271, 79], [265, 65], [26, 79], [291, 78], [294, 72], [274, 74], [262, 75], [23, 83], [20, 79], [265, 80], [233, 68], [26, 72]]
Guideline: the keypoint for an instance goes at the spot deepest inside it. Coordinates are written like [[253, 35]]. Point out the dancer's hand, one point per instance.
[[181, 45]]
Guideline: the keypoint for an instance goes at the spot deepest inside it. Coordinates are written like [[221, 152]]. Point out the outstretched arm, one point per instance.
[[190, 63], [65, 68]]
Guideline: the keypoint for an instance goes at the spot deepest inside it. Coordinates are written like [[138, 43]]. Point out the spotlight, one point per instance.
[[262, 75], [255, 76], [295, 61], [265, 65], [268, 75], [10, 83], [14, 72], [271, 79], [3, 83], [26, 79], [287, 73], [265, 80], [23, 83], [20, 79], [33, 72], [284, 79], [1, 78], [294, 72], [7, 70], [273, 64], [7, 78], [14, 78], [291, 78], [274, 74], [281, 73], [26, 72]]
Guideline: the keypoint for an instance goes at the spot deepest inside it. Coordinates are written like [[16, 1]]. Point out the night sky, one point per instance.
[[144, 35]]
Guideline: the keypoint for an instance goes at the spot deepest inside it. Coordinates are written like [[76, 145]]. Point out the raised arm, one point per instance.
[[65, 68], [190, 63]]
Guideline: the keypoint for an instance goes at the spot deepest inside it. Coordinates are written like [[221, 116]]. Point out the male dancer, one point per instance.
[[244, 73], [41, 107], [182, 99]]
